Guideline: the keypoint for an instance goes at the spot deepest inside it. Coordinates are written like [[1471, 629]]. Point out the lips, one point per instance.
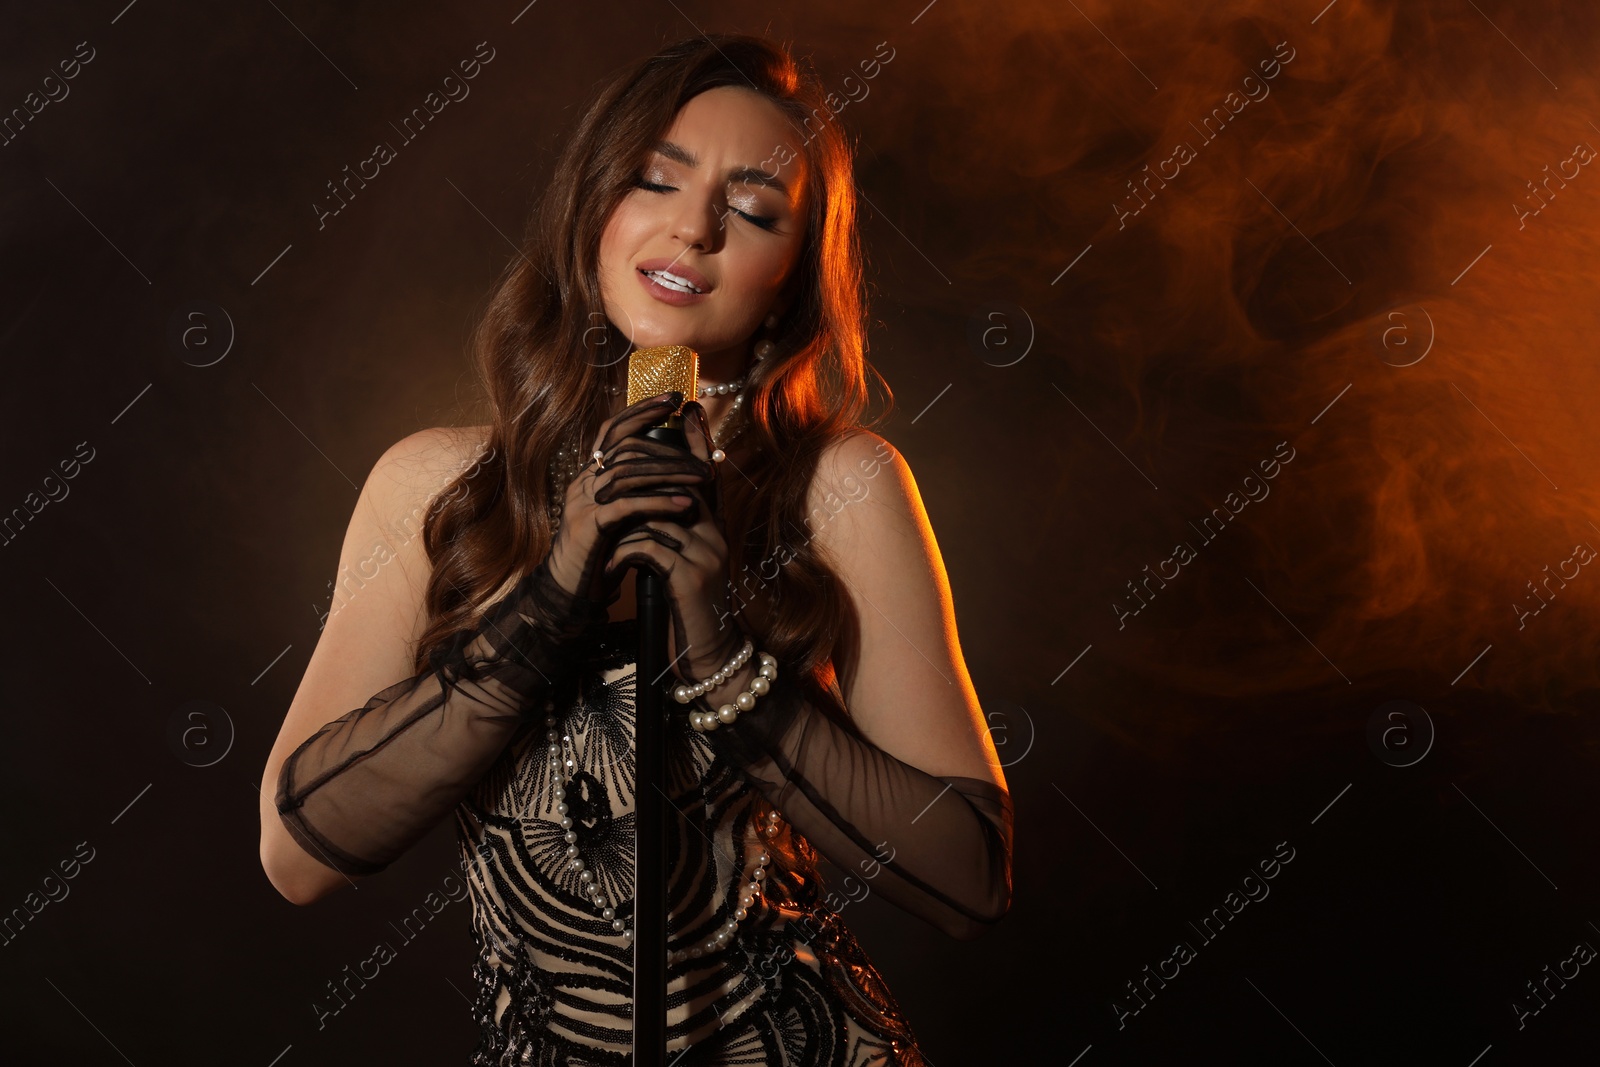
[[675, 277]]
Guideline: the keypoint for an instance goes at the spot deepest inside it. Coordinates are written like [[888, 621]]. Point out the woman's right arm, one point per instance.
[[367, 640]]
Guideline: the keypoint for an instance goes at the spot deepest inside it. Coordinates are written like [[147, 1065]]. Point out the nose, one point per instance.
[[697, 223]]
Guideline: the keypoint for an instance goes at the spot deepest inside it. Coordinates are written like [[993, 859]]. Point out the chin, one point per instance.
[[657, 332]]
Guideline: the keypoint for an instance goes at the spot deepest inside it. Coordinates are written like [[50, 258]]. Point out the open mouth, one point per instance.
[[668, 280]]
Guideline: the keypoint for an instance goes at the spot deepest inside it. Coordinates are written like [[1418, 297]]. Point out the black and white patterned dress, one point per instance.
[[554, 980]]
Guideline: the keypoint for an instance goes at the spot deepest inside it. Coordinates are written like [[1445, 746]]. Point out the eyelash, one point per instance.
[[763, 221]]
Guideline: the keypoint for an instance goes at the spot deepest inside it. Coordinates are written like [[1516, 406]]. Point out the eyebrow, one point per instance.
[[744, 175]]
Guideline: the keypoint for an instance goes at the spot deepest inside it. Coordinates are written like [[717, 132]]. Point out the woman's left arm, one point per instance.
[[918, 807]]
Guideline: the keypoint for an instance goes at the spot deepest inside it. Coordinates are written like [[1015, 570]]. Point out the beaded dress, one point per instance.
[[554, 979]]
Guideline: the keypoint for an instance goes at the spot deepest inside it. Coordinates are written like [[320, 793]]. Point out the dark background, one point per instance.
[[1342, 267]]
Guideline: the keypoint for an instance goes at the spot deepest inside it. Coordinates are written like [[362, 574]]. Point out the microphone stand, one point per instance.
[[650, 807]]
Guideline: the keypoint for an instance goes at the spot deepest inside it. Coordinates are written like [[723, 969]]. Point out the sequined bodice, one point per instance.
[[547, 954]]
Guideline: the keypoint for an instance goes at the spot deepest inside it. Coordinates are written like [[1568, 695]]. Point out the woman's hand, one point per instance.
[[638, 479], [690, 553]]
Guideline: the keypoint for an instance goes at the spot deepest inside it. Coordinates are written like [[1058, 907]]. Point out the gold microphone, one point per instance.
[[653, 371]]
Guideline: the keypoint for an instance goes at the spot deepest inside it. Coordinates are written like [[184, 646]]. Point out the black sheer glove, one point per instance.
[[364, 788], [630, 485], [937, 846]]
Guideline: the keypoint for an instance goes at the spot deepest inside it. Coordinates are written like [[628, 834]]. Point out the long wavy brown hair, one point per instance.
[[543, 344]]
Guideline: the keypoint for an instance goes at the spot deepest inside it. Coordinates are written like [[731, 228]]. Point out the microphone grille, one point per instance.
[[653, 371]]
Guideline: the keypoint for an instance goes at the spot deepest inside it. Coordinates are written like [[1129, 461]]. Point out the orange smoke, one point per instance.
[[1376, 254]]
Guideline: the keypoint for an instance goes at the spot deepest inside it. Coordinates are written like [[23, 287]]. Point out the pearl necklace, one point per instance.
[[720, 389], [586, 880]]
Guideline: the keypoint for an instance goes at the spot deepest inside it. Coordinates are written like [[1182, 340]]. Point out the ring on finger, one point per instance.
[[598, 458]]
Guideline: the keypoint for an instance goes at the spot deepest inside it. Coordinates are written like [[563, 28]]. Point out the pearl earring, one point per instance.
[[772, 321]]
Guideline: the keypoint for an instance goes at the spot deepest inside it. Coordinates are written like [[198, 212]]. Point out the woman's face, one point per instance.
[[697, 252]]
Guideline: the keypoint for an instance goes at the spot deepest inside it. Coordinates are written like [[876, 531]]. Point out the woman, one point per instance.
[[822, 704]]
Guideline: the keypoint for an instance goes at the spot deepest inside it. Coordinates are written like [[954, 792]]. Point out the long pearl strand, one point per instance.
[[586, 879]]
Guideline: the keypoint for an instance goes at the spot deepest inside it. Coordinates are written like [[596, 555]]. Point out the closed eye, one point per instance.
[[764, 221]]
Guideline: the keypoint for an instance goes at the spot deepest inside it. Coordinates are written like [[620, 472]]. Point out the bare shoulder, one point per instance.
[[862, 467], [860, 452], [408, 480], [383, 557], [419, 466]]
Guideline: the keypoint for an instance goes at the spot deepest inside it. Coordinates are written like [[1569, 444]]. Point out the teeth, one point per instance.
[[672, 281]]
